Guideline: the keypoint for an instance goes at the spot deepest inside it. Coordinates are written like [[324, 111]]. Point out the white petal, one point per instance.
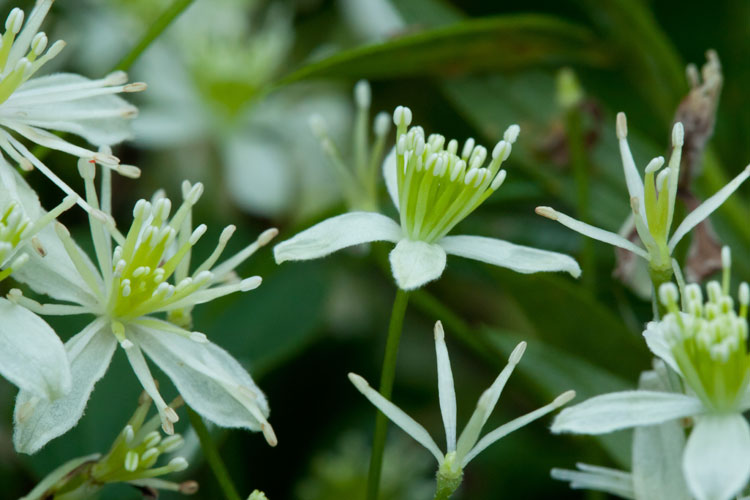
[[397, 416], [632, 177], [31, 354], [210, 379], [415, 263], [38, 421], [657, 454], [336, 233], [14, 186], [55, 274], [621, 410], [100, 119], [258, 176], [596, 233], [706, 208], [591, 477], [501, 253], [389, 174], [658, 344], [446, 389], [716, 462]]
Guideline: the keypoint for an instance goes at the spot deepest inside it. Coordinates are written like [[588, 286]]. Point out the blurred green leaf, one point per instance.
[[499, 43], [554, 371]]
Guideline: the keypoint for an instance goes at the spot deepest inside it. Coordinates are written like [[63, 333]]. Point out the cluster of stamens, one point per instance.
[[137, 449], [438, 187], [16, 227], [709, 341], [15, 66]]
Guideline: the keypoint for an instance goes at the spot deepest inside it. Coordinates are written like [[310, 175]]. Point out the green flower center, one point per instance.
[[709, 344], [437, 187]]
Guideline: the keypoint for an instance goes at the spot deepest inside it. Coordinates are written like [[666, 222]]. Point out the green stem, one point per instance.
[[212, 456], [386, 387], [157, 27]]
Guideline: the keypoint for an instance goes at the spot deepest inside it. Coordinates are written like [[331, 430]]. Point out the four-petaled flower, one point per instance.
[[434, 189], [459, 452], [130, 286], [653, 203], [706, 344]]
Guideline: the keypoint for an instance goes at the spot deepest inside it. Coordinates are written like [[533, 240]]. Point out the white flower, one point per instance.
[[706, 345], [32, 107], [652, 202], [657, 456], [131, 284], [468, 445], [434, 189]]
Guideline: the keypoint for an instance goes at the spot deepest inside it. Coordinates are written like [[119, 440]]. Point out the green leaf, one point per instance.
[[499, 43], [553, 371]]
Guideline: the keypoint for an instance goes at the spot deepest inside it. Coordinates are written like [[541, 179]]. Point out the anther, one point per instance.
[[655, 164], [362, 94], [678, 135], [511, 134], [622, 126], [381, 124]]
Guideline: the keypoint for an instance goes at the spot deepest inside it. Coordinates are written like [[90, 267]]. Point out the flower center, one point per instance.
[[709, 342], [437, 187], [149, 256], [21, 55]]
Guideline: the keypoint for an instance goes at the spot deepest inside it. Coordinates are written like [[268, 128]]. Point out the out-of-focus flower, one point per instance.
[[146, 273], [373, 20], [652, 204], [459, 453], [705, 343], [209, 80], [340, 473], [358, 174], [131, 460], [434, 189], [257, 495], [33, 107]]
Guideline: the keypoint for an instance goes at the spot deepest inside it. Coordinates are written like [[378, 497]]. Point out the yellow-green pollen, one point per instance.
[[437, 187]]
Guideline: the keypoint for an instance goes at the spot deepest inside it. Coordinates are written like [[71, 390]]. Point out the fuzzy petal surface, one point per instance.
[[38, 421], [501, 253], [336, 233], [716, 462], [210, 379], [416, 263], [389, 174], [621, 410], [31, 354]]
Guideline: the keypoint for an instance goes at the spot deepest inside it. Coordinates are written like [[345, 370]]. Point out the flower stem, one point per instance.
[[212, 456], [153, 32], [386, 387]]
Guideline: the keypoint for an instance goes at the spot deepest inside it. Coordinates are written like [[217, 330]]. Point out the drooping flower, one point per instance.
[[132, 459], [705, 343], [434, 189], [146, 274], [358, 175], [33, 108], [652, 201], [462, 449]]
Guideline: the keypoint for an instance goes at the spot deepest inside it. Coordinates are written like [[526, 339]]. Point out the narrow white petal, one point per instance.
[[389, 174], [397, 416], [621, 410], [415, 263], [38, 421], [716, 462], [501, 253], [658, 344], [632, 177], [446, 389], [516, 424], [591, 477], [591, 231], [657, 454], [31, 354], [707, 207], [210, 379], [336, 233]]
